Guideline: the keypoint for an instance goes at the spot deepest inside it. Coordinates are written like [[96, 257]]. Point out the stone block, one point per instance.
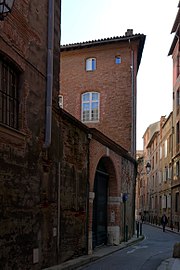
[[176, 250]]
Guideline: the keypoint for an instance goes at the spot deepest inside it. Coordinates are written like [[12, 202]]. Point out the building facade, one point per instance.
[[43, 175], [161, 148], [157, 183], [55, 171], [98, 85], [175, 188]]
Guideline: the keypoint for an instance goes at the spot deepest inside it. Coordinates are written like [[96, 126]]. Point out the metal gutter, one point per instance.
[[49, 84]]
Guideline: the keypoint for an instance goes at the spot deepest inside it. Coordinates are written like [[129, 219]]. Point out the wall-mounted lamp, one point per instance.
[[148, 167], [5, 8]]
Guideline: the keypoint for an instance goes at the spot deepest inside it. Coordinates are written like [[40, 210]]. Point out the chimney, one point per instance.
[[129, 32]]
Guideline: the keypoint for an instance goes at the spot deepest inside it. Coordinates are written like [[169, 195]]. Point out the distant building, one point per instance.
[[161, 192], [175, 53], [156, 193]]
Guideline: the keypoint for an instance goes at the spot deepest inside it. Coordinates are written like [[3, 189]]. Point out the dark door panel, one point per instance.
[[100, 209]]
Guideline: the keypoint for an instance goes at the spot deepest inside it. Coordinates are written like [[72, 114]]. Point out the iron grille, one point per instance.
[[8, 94]]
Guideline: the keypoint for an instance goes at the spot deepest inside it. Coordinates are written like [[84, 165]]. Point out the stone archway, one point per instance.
[[104, 188]]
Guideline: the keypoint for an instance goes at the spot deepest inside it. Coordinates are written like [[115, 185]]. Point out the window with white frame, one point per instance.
[[90, 64], [169, 201], [90, 107], [164, 201], [169, 172], [165, 148]]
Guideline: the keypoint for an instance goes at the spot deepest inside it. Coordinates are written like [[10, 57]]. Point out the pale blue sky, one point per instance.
[[85, 20]]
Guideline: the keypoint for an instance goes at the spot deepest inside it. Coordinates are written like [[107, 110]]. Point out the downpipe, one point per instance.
[[49, 84]]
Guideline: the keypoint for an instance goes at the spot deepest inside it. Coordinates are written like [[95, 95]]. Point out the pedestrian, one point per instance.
[[164, 221], [142, 219]]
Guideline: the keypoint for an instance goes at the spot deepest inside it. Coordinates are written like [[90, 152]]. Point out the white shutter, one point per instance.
[[60, 101]]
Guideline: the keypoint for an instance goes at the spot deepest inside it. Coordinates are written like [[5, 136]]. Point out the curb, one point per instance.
[[98, 254]]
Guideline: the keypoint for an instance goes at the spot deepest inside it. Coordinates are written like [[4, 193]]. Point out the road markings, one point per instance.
[[136, 248]]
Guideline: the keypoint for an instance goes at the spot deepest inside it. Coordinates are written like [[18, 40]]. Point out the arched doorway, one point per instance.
[[99, 225]]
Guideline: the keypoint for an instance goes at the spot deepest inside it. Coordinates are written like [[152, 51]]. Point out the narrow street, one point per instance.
[[146, 255]]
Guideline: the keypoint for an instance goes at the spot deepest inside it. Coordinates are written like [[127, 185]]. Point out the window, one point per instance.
[[169, 172], [90, 64], [177, 135], [90, 107], [156, 157], [8, 93], [164, 201], [177, 169], [177, 202], [169, 200], [165, 173], [165, 148], [160, 177], [178, 100], [177, 66], [118, 60], [153, 163], [170, 143]]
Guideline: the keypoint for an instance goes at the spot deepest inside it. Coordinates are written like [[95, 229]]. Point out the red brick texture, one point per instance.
[[112, 81]]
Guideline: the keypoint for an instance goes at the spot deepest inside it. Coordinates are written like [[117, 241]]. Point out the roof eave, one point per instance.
[[100, 42]]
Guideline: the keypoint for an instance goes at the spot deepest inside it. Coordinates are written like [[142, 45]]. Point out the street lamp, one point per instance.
[[5, 8], [148, 167]]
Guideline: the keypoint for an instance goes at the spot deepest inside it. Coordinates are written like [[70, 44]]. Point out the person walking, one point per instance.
[[164, 221]]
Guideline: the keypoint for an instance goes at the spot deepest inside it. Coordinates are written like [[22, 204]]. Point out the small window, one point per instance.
[[118, 60], [90, 107], [90, 64]]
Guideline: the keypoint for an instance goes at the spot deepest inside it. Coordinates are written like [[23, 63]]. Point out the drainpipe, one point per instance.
[[134, 105], [58, 211], [49, 73], [133, 130]]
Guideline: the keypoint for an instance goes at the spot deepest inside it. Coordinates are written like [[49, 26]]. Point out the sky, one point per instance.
[[86, 20]]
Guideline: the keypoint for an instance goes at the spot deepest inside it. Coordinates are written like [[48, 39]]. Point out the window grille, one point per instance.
[[8, 94]]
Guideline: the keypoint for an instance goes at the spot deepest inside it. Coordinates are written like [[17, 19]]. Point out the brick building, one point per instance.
[[43, 179], [52, 165], [98, 85]]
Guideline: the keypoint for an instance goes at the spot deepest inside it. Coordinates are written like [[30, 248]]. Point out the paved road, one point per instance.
[[146, 255]]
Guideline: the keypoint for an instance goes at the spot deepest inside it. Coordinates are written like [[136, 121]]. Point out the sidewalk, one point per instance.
[[97, 254], [170, 264]]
